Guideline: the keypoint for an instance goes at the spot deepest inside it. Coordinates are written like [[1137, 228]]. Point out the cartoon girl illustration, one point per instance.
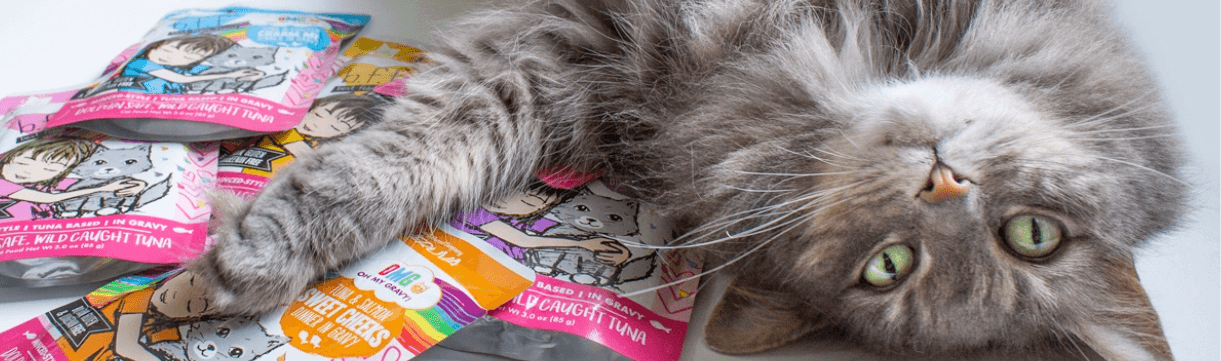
[[166, 65], [330, 118], [145, 317], [31, 174]]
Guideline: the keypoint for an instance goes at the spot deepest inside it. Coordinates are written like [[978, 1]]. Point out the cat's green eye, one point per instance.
[[1032, 236], [888, 266]]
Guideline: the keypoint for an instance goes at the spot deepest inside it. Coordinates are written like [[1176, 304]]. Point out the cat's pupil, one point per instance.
[[130, 161], [615, 218], [1036, 234], [888, 263], [232, 55], [582, 208], [235, 352], [100, 162], [222, 332]]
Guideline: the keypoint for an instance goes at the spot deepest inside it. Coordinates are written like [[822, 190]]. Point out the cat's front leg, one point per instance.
[[512, 92], [349, 199]]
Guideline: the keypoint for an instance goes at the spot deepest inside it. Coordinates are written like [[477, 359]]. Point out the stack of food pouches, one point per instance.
[[81, 206]]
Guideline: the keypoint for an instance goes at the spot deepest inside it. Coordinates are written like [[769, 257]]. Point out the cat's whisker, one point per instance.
[[1125, 129], [1138, 166], [838, 154], [763, 228], [793, 175], [1107, 114], [748, 190], [731, 219], [811, 156], [728, 237], [1068, 335], [707, 272], [1127, 138]]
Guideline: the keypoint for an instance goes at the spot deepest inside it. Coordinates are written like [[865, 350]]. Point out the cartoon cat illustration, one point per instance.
[[236, 58], [232, 339], [604, 214], [105, 166]]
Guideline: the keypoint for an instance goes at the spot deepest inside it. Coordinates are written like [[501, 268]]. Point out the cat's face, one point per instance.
[[233, 339], [243, 57], [592, 213], [106, 163], [1028, 240]]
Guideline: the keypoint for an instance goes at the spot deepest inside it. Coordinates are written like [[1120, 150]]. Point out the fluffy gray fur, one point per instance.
[[790, 137]]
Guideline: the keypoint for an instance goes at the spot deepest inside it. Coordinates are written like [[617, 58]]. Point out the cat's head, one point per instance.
[[108, 163], [990, 200], [598, 214], [234, 339], [244, 57]]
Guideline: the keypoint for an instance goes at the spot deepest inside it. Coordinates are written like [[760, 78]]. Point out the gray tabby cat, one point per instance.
[[944, 176]]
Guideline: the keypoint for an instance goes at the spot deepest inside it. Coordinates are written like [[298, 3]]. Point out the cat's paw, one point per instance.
[[251, 268]]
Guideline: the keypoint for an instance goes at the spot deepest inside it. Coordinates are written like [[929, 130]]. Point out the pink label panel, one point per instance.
[[16, 101], [596, 314], [241, 184], [235, 110], [128, 237], [29, 341]]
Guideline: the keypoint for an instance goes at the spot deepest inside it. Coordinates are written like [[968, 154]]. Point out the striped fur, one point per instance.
[[790, 139]]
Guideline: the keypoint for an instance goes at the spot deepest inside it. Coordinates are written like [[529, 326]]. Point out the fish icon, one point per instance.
[[659, 326]]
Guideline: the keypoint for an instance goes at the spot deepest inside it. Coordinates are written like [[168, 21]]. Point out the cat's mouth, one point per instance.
[[107, 171], [588, 222], [205, 349]]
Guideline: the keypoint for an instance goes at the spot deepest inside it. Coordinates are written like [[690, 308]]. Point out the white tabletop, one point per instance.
[[54, 44]]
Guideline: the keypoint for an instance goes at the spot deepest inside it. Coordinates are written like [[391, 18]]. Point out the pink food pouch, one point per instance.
[[367, 75], [78, 206], [390, 306], [591, 247], [215, 74]]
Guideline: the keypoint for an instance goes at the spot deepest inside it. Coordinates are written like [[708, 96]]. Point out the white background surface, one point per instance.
[[54, 44]]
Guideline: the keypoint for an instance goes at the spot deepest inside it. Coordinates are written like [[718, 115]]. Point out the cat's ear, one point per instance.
[[274, 341], [748, 320], [600, 189], [1124, 325]]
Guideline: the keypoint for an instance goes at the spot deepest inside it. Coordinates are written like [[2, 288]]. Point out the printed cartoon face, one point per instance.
[[523, 203], [25, 168], [179, 298], [233, 339], [172, 54], [243, 57], [326, 122], [106, 163], [592, 213]]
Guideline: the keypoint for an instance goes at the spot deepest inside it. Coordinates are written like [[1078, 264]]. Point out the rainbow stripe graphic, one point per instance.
[[236, 35], [114, 290], [427, 327]]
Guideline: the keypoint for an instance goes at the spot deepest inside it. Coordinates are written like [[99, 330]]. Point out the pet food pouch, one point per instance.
[[370, 72], [215, 74], [77, 206], [588, 245], [389, 306]]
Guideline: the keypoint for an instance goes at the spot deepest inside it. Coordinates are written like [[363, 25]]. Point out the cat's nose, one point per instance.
[[943, 185]]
